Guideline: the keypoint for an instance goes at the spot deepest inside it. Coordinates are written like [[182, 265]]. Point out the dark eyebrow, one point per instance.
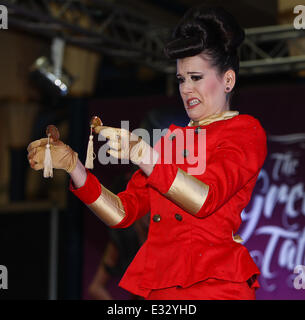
[[191, 72], [194, 72]]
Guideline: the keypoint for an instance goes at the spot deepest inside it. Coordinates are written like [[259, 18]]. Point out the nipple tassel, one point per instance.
[[90, 154], [48, 166]]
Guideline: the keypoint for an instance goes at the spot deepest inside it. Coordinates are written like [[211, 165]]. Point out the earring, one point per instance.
[[228, 89]]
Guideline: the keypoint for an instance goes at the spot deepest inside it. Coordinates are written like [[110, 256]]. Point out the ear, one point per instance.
[[229, 80]]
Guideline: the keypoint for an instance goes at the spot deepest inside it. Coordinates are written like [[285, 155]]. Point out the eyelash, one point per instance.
[[194, 78]]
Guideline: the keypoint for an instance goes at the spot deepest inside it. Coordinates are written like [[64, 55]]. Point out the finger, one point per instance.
[[114, 153], [31, 153], [57, 143], [114, 145], [38, 156], [43, 142], [37, 166], [37, 143], [110, 133], [35, 151], [34, 165], [97, 129]]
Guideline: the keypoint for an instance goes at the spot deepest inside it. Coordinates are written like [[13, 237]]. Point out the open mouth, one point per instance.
[[192, 103]]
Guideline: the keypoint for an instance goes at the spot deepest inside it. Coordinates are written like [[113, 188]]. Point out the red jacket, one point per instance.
[[183, 248]]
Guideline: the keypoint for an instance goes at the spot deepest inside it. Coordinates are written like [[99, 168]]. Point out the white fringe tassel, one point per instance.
[[90, 154], [48, 166]]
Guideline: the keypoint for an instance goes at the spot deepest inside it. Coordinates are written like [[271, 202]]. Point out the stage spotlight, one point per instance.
[[50, 76]]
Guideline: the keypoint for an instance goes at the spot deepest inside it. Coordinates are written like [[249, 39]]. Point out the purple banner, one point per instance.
[[273, 225]]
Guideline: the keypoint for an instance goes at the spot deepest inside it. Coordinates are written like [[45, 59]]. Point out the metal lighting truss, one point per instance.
[[108, 27], [269, 50]]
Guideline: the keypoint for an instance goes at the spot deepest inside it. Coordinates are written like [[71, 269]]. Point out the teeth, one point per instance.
[[193, 102]]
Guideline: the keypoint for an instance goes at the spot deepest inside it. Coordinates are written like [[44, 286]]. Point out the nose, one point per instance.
[[186, 87]]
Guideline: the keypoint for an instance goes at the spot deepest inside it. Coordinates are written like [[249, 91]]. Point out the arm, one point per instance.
[[115, 211], [238, 159], [79, 175]]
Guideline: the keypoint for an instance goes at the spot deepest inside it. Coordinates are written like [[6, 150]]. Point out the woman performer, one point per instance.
[[191, 251]]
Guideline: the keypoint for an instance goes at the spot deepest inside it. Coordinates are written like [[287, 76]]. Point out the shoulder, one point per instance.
[[242, 120], [245, 125], [245, 133]]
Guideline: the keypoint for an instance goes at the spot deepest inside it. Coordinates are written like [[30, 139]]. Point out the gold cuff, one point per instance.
[[108, 207], [187, 192]]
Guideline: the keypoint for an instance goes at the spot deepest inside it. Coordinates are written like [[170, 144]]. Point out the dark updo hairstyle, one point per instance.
[[212, 31]]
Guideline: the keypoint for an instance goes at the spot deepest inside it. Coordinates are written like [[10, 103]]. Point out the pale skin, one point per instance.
[[199, 82]]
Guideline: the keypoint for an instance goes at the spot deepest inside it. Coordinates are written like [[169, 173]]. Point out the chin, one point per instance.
[[194, 117]]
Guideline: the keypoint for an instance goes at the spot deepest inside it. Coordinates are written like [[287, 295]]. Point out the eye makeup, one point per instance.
[[195, 76]]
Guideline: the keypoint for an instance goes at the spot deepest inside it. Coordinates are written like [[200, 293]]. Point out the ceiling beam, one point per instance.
[[115, 30]]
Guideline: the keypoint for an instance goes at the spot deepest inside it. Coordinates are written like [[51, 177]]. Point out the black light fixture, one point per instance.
[[50, 76]]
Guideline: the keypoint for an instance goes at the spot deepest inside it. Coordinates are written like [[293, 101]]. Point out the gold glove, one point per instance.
[[126, 145], [63, 157]]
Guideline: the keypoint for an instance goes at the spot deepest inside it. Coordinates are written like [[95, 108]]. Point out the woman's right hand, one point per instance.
[[63, 157]]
